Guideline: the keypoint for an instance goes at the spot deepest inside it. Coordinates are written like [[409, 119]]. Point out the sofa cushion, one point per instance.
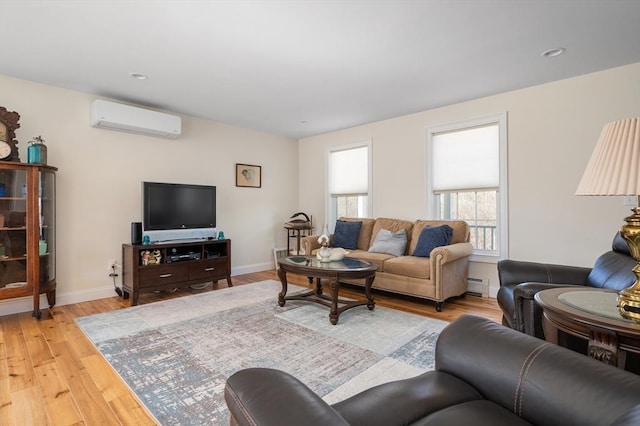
[[364, 239], [409, 266], [483, 413], [460, 231], [389, 242], [378, 259], [432, 237], [346, 234], [392, 225]]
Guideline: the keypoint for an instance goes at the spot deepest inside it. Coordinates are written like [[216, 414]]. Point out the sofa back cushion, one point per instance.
[[460, 231], [393, 225], [364, 239]]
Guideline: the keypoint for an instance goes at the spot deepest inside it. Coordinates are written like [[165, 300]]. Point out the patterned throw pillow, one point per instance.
[[346, 234], [432, 237], [390, 242]]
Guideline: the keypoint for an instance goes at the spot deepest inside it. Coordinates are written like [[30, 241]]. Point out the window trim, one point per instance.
[[329, 200], [502, 219]]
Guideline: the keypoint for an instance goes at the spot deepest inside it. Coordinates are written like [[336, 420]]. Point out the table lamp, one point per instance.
[[614, 169]]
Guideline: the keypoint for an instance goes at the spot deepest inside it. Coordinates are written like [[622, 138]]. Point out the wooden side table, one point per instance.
[[590, 314], [295, 232]]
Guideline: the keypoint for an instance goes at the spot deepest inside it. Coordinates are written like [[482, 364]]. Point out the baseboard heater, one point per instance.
[[478, 286]]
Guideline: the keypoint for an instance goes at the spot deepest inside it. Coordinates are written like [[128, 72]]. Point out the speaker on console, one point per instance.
[[136, 233]]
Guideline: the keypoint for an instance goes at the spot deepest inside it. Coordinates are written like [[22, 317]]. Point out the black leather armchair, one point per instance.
[[486, 374], [520, 281]]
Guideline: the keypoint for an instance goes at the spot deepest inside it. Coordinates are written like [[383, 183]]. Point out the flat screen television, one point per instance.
[[178, 207]]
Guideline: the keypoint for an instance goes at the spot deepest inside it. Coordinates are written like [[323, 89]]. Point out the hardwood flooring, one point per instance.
[[51, 374]]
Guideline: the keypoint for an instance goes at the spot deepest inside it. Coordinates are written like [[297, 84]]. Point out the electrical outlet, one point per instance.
[[630, 200], [110, 265]]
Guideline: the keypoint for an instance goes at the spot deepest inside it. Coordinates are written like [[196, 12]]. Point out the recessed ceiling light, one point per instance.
[[138, 76], [553, 52]]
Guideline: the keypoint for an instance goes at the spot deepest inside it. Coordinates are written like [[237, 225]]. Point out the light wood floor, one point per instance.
[[50, 374]]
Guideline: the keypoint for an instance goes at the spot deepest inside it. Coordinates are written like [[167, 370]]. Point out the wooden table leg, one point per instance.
[[603, 346], [367, 292], [550, 330], [283, 279], [335, 290]]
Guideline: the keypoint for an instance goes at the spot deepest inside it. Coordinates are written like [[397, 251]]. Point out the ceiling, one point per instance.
[[300, 68]]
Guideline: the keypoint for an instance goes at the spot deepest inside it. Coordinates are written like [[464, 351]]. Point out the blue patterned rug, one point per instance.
[[175, 355]]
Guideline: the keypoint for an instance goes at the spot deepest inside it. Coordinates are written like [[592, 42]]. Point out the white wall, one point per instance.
[[100, 175], [552, 131]]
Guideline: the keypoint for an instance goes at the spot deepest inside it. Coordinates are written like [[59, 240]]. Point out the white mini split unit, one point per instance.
[[126, 118]]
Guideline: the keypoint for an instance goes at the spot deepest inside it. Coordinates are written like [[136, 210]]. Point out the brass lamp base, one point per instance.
[[629, 298]]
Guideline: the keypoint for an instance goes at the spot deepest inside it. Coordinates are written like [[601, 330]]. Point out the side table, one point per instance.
[[590, 314]]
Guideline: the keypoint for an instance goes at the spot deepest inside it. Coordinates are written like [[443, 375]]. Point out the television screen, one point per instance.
[[178, 206]]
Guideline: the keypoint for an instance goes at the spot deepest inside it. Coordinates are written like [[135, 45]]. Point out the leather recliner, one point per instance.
[[520, 281], [485, 374]]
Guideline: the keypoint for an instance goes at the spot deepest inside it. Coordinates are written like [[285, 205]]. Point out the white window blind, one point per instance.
[[349, 172], [466, 159]]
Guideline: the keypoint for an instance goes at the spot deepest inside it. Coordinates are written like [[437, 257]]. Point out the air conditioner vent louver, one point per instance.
[[126, 118]]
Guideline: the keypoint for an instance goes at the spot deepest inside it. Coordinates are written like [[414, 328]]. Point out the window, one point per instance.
[[349, 181], [467, 179]]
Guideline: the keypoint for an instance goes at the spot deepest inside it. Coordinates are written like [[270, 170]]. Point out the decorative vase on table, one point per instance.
[[324, 253]]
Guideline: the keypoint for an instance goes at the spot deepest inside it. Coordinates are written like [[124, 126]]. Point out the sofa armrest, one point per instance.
[[534, 379], [451, 252], [511, 272], [528, 315], [259, 396]]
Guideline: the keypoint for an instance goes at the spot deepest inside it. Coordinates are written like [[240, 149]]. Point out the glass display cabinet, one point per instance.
[[27, 232]]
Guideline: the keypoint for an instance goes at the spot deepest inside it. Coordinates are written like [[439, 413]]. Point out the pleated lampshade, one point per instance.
[[614, 167]]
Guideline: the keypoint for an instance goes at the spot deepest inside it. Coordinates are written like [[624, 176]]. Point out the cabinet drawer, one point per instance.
[[213, 268], [158, 275]]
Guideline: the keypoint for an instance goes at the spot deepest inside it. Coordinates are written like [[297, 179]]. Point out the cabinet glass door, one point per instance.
[[47, 234], [13, 230]]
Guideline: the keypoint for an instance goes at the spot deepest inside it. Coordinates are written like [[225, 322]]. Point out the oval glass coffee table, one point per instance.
[[311, 267]]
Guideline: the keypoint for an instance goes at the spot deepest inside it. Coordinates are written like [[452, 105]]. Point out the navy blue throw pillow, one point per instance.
[[432, 237], [346, 234]]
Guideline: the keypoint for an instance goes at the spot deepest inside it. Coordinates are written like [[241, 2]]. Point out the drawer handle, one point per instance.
[[165, 275], [209, 269]]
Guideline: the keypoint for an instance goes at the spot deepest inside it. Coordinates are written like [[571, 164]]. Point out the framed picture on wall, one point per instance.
[[248, 175]]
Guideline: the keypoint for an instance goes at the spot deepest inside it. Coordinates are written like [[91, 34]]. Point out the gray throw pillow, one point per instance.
[[390, 242]]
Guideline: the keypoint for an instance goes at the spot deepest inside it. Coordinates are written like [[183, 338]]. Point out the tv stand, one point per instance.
[[207, 261]]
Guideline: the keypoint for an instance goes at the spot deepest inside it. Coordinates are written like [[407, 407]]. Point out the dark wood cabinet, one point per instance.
[[27, 232], [172, 265]]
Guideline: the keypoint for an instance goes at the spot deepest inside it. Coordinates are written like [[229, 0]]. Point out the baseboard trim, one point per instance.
[[25, 304]]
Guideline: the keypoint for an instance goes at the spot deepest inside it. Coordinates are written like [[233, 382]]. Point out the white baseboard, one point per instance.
[[25, 304]]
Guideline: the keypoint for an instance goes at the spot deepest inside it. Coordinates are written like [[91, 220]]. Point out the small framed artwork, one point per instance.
[[248, 175]]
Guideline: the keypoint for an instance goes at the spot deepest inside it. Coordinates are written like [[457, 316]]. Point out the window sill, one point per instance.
[[484, 257]]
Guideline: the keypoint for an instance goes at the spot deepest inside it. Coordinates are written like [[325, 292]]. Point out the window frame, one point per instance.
[[502, 212], [330, 200]]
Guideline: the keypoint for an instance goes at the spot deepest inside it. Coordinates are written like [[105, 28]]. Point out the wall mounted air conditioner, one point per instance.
[[126, 118]]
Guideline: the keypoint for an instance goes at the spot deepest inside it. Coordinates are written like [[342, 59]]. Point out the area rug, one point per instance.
[[176, 355]]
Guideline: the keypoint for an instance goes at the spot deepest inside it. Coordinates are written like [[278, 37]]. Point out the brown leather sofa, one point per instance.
[[520, 281], [438, 277], [485, 374]]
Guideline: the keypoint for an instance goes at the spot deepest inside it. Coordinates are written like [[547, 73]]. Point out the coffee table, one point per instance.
[[311, 267], [591, 314]]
